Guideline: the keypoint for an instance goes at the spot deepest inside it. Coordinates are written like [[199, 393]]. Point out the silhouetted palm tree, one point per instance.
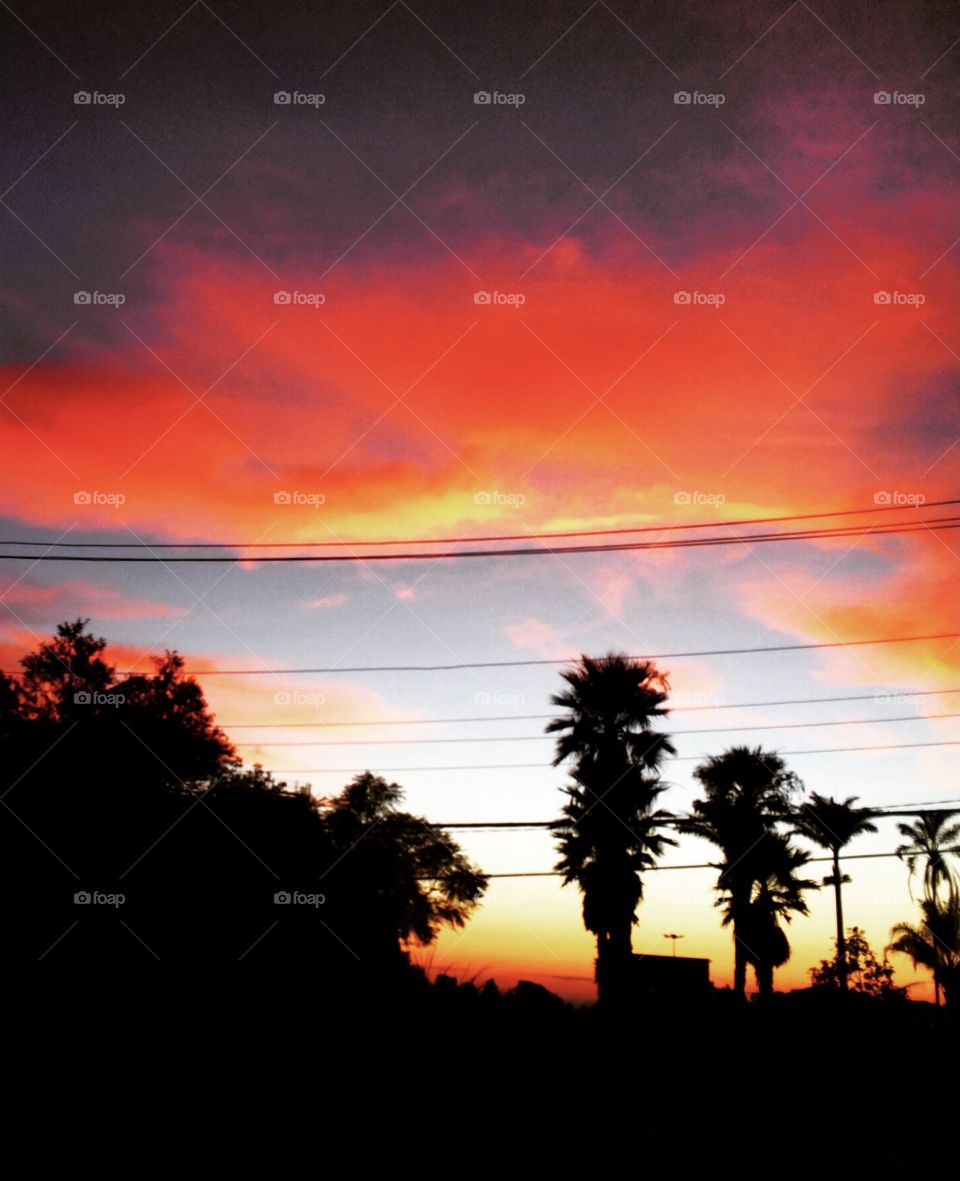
[[610, 831], [777, 896], [748, 792], [930, 838], [833, 824], [934, 944]]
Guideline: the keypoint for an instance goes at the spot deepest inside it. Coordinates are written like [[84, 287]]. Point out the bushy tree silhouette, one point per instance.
[[400, 878], [126, 790]]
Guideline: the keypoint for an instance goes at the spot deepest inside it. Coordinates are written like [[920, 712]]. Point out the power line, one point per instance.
[[930, 525], [549, 737], [536, 536], [391, 668], [705, 865], [675, 709], [833, 750]]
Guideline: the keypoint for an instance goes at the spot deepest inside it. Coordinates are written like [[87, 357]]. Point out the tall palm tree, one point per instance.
[[777, 896], [934, 944], [747, 793], [610, 830], [929, 841], [833, 824]]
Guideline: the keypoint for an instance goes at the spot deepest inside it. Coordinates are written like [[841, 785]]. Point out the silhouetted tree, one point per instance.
[[400, 878], [747, 793], [862, 972], [934, 944], [929, 841], [610, 830], [833, 824]]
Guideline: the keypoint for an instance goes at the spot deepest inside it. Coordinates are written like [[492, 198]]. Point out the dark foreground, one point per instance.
[[276, 1078]]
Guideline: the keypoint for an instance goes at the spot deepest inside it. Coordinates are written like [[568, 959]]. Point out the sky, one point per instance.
[[689, 263]]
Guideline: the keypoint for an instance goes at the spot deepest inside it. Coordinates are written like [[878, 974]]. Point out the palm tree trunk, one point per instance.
[[841, 937], [739, 968]]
